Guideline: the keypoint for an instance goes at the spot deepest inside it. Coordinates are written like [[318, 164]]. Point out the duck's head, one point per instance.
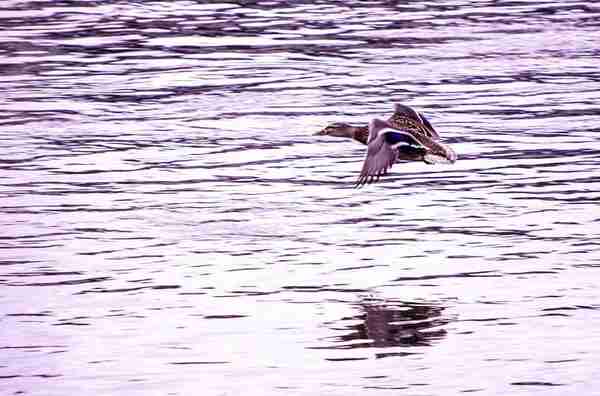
[[338, 129]]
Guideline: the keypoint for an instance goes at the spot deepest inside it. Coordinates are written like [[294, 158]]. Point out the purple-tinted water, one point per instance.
[[170, 226]]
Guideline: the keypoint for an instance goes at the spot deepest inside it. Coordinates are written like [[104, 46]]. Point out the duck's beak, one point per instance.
[[320, 133]]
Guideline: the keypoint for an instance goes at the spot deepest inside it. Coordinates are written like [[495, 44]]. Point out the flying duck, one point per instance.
[[407, 135]]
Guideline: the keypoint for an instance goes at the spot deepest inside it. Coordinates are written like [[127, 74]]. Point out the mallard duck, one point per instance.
[[407, 135], [404, 117]]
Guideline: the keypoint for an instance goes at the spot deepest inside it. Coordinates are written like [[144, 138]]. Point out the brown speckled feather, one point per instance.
[[362, 134], [406, 118]]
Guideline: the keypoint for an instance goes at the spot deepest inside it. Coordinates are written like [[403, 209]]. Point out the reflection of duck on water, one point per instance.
[[386, 324]]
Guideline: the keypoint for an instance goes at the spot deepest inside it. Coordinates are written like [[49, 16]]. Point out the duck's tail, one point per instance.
[[440, 154]]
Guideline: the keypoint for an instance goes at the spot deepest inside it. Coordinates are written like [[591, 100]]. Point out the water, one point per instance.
[[170, 226]]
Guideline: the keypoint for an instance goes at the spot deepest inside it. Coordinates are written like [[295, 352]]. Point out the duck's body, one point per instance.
[[387, 144], [407, 135]]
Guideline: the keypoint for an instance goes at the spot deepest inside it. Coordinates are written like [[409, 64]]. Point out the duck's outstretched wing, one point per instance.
[[406, 117], [424, 132], [380, 157], [382, 153], [384, 150], [432, 133]]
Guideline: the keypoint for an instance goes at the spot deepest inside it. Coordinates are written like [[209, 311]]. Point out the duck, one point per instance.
[[406, 136], [404, 117]]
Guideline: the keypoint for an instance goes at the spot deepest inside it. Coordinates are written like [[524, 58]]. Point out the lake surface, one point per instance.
[[169, 225]]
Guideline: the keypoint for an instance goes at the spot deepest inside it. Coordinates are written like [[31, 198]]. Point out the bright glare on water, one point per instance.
[[169, 224]]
